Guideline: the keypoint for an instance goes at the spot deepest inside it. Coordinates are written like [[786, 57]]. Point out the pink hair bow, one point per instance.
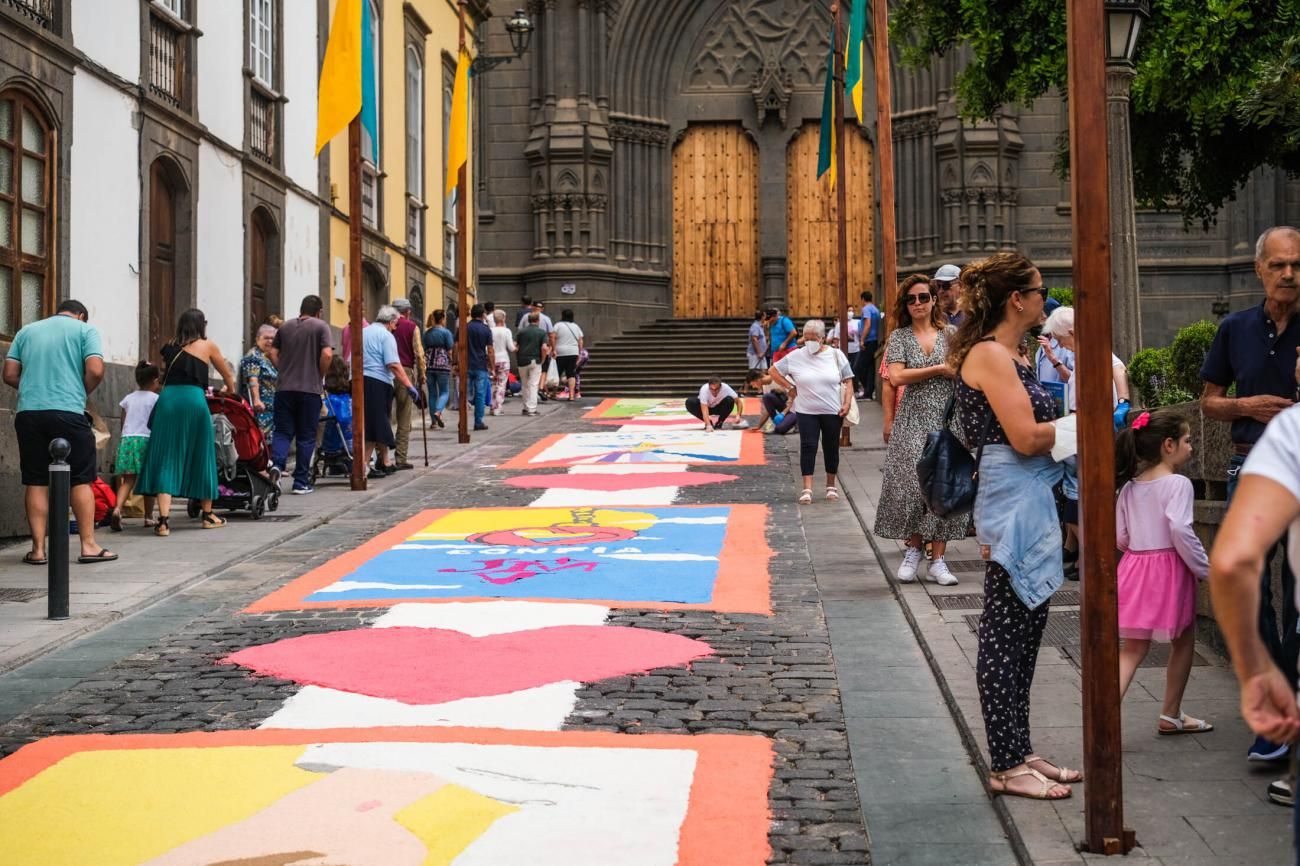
[[1141, 421]]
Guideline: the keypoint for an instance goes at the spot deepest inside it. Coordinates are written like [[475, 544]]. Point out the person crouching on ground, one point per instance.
[[715, 400]]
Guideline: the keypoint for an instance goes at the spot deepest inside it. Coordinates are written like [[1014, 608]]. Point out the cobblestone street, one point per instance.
[[765, 680]]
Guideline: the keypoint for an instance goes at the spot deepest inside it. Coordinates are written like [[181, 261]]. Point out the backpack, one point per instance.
[[105, 499]]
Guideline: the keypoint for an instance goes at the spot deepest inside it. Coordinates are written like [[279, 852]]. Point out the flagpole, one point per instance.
[[359, 451], [841, 199], [462, 272], [885, 157]]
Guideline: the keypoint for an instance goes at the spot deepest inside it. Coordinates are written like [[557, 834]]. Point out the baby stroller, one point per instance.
[[334, 455], [243, 459]]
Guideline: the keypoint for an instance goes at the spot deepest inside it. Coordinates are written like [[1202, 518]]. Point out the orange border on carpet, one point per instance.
[[743, 584], [751, 454], [727, 814]]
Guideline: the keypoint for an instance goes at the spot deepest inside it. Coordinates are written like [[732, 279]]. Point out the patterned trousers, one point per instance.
[[500, 378], [1009, 636]]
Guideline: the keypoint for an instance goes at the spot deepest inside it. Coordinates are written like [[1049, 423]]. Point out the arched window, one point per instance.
[[27, 181], [414, 149]]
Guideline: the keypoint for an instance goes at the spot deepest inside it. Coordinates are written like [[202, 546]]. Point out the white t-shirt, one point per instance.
[[567, 336], [817, 378], [855, 330], [1277, 457], [1072, 393], [708, 399], [502, 343], [138, 405]]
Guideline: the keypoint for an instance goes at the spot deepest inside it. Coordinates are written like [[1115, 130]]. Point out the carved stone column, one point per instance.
[[1126, 311]]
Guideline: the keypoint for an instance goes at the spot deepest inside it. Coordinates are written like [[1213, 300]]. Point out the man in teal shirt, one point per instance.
[[55, 363]]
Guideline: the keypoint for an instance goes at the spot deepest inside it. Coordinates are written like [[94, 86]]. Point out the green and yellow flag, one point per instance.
[[856, 60], [826, 139], [458, 127], [339, 98]]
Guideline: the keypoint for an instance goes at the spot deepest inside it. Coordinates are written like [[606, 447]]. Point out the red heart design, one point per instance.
[[432, 666]]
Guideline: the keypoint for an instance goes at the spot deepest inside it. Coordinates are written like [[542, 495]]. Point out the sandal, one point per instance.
[[212, 521], [1044, 793], [805, 498], [161, 529], [1184, 724], [1063, 775], [32, 559], [104, 555], [832, 494], [115, 521]]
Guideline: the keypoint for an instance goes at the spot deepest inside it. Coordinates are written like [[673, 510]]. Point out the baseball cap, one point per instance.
[[947, 273], [401, 304]]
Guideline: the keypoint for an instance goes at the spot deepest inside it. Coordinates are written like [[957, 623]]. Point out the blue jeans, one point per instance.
[[296, 415], [480, 387], [1284, 647], [439, 390]]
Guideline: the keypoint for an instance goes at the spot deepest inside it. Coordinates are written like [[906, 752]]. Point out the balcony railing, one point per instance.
[[166, 61], [262, 131], [41, 12]]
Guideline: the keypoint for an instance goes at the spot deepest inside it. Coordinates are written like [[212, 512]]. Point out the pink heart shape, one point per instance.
[[432, 666]]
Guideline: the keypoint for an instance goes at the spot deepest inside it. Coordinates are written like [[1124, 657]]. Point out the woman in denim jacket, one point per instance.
[[1015, 513]]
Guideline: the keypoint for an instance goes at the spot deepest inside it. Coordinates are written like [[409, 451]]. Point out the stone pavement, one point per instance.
[[151, 568], [1192, 800], [672, 562]]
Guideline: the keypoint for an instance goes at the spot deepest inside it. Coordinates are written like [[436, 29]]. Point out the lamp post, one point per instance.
[[1123, 24], [520, 29]]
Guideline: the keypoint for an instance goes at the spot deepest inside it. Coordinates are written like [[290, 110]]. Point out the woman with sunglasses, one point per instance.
[[917, 353], [1004, 409]]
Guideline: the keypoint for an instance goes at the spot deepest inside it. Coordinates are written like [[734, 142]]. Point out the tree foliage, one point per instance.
[[1216, 95]]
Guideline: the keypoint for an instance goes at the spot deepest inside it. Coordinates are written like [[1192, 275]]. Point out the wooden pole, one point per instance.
[[885, 158], [359, 450], [841, 199], [462, 276], [1090, 214]]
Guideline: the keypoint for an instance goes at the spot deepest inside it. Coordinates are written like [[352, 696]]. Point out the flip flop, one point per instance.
[[104, 555], [31, 560]]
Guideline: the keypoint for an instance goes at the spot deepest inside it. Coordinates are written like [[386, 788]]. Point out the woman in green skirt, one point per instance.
[[181, 460]]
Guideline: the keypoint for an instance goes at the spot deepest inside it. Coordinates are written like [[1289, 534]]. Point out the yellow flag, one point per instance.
[[458, 131], [339, 97]]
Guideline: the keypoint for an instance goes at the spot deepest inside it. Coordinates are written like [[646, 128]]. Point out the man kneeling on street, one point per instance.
[[717, 399]]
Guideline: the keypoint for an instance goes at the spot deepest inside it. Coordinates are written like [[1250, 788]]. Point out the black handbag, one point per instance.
[[947, 473]]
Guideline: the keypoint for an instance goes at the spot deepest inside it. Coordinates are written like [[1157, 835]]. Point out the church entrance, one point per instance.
[[811, 229], [715, 223]]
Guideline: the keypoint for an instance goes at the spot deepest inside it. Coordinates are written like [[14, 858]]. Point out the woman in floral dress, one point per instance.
[[257, 378], [916, 354]]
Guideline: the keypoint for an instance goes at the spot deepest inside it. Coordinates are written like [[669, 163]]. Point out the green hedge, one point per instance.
[[1172, 375], [1064, 294]]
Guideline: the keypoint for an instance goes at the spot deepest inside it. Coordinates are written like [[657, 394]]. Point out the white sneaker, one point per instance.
[[911, 559], [742, 424], [939, 573]]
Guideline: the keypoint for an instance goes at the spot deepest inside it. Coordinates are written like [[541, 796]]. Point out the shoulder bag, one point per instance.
[[947, 473]]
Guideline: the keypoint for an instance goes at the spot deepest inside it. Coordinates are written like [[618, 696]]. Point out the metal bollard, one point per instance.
[[56, 547]]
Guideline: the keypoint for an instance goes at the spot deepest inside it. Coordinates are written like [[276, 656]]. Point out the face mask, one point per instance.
[[812, 347]]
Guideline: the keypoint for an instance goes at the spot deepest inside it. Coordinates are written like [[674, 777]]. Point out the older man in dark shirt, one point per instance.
[[1256, 349]]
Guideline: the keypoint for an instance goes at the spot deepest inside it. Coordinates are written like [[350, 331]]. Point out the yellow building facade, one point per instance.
[[409, 226]]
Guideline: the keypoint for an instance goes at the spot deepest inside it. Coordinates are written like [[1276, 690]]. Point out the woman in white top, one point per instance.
[[824, 381], [568, 345], [503, 344]]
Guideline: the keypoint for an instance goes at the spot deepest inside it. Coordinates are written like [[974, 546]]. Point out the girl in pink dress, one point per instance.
[[1163, 559]]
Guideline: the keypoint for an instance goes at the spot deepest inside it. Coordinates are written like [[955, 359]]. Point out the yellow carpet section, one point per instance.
[[123, 807], [449, 819]]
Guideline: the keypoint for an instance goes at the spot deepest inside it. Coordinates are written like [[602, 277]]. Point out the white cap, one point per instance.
[[947, 273]]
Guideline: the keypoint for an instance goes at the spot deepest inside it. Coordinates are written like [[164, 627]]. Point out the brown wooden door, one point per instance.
[[162, 260], [811, 228], [259, 267], [715, 223]]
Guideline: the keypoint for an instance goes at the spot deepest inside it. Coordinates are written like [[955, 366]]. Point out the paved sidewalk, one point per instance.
[[1192, 800], [152, 568]]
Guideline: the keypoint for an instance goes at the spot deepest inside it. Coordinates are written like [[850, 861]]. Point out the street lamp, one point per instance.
[[520, 29], [1124, 20]]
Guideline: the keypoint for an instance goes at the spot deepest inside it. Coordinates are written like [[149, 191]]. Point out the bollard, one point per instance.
[[56, 546]]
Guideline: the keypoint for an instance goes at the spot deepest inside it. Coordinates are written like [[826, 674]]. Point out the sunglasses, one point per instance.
[[918, 299], [1041, 291]]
